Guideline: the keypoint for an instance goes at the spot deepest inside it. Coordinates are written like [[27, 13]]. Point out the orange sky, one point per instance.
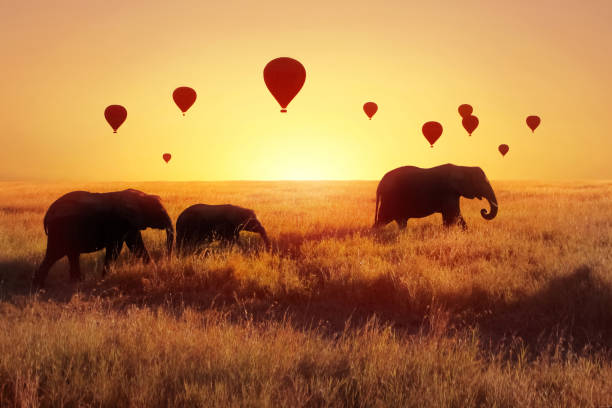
[[64, 61]]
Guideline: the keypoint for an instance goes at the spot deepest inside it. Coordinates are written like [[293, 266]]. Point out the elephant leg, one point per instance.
[[453, 219], [449, 219], [401, 223], [451, 214], [461, 222], [75, 266], [51, 257], [384, 216], [136, 245], [112, 253]]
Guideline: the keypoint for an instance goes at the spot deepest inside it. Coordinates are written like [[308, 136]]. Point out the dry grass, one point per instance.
[[513, 312]]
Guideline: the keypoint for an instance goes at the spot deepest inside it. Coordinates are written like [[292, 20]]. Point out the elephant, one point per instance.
[[82, 222], [202, 223], [412, 192]]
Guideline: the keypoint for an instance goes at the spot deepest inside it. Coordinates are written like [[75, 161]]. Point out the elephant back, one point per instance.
[[130, 205], [74, 204]]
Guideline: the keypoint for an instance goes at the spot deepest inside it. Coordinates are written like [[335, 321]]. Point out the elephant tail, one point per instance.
[[377, 207], [45, 224]]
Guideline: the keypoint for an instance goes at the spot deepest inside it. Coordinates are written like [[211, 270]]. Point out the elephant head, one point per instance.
[[471, 182], [143, 211], [247, 221]]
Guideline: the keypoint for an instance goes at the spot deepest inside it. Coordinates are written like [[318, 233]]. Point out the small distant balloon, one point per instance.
[[115, 116], [470, 123], [503, 149], [167, 157], [370, 109], [465, 110], [533, 122], [184, 97], [284, 78], [432, 132]]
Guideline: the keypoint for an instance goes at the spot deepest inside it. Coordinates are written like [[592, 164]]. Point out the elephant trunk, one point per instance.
[[264, 236], [167, 225], [169, 240], [490, 196]]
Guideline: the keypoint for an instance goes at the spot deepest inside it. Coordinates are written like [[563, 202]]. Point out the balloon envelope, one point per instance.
[[465, 110], [184, 97], [167, 157], [503, 149], [284, 78], [432, 132], [370, 109], [115, 116], [470, 123], [533, 122]]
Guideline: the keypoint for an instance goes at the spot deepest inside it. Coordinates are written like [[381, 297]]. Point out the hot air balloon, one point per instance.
[[370, 109], [533, 122], [184, 97], [284, 77], [432, 132], [465, 110], [115, 115], [503, 149], [167, 157], [470, 123]]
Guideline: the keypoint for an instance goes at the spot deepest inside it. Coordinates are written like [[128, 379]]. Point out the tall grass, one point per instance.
[[514, 312]]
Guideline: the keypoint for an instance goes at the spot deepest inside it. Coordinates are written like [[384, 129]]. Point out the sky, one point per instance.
[[64, 61]]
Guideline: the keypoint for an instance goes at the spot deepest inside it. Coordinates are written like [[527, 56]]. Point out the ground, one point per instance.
[[516, 311]]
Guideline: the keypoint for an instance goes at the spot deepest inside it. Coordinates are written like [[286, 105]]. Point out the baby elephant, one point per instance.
[[202, 223]]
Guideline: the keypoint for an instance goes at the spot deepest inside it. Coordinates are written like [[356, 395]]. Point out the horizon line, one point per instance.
[[35, 180]]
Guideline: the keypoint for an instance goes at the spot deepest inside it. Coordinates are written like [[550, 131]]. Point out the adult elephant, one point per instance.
[[413, 192], [202, 223], [81, 222]]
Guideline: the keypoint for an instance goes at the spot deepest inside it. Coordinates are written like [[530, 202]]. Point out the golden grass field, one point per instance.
[[513, 312]]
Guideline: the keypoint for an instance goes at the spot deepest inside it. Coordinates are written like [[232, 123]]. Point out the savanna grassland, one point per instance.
[[513, 312]]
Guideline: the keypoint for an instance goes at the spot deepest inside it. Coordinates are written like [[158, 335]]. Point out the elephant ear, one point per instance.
[[458, 180], [130, 205], [239, 216]]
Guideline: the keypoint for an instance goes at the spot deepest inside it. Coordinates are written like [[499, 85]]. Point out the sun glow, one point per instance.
[[417, 62]]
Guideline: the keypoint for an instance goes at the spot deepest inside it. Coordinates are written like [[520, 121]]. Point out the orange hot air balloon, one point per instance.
[[503, 149], [284, 78], [465, 110], [370, 109], [184, 97], [470, 123], [167, 157], [115, 116], [533, 122], [432, 132]]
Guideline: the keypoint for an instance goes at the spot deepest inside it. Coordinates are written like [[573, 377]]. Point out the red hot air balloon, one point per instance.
[[503, 149], [432, 132], [115, 115], [470, 123], [184, 97], [284, 77], [167, 157], [465, 110], [533, 122], [370, 109]]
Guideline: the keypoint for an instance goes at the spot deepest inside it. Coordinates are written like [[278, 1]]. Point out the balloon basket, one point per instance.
[[114, 131], [284, 110]]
